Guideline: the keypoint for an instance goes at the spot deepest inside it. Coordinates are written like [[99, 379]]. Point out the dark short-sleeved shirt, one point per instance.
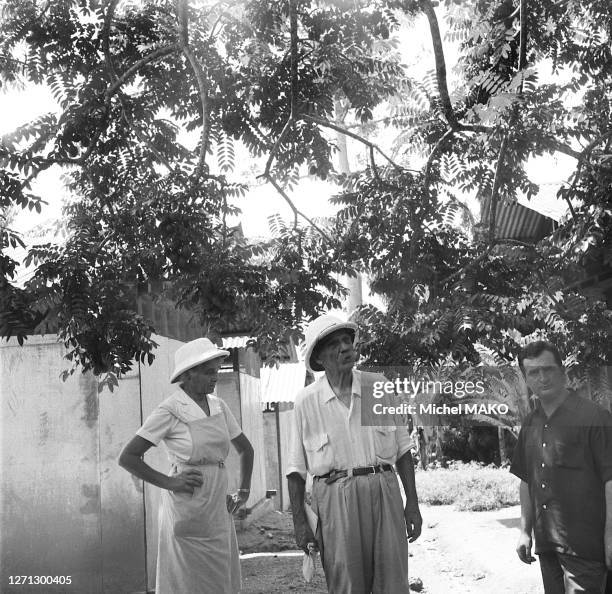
[[566, 459]]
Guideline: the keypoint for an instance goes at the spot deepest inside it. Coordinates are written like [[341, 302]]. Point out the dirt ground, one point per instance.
[[467, 552], [275, 574], [471, 552]]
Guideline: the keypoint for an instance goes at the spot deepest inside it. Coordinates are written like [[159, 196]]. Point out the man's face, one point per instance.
[[544, 376], [202, 378], [337, 352]]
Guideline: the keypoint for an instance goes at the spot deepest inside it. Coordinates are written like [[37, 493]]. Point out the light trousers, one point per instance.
[[362, 534]]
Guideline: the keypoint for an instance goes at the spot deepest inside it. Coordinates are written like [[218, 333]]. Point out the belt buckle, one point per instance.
[[374, 468], [221, 464]]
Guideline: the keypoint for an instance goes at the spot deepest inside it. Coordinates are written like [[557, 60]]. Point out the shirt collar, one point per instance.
[[568, 406], [328, 393]]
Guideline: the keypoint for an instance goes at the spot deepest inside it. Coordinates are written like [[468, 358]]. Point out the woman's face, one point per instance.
[[201, 379]]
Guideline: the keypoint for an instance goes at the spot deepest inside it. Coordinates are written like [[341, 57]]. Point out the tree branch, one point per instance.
[[183, 29], [161, 52], [297, 212], [474, 128], [274, 150], [434, 155], [594, 143], [579, 155], [142, 138], [438, 48], [108, 19], [468, 266], [293, 26], [523, 39], [331, 125], [495, 190], [485, 254]]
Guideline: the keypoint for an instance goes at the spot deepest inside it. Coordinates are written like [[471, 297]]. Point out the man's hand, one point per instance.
[[523, 548], [304, 537], [608, 545], [414, 522]]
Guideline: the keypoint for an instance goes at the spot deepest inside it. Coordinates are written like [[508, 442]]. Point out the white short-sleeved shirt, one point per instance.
[[168, 422], [327, 435]]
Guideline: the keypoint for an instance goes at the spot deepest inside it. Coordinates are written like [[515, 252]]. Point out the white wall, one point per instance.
[[58, 484]]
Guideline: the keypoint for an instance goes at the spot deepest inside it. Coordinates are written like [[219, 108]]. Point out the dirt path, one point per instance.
[[471, 552], [467, 552]]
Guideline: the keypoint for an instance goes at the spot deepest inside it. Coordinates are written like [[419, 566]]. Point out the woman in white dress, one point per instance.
[[198, 551]]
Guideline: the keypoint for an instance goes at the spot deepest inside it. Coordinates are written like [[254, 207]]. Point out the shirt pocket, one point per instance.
[[319, 453], [385, 443], [568, 454]]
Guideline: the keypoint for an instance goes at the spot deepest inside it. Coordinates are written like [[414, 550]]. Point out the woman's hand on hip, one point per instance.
[[186, 481]]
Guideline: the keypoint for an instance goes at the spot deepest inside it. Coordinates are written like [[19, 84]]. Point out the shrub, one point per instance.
[[469, 487]]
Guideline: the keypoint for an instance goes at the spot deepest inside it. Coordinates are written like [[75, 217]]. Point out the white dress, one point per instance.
[[198, 551]]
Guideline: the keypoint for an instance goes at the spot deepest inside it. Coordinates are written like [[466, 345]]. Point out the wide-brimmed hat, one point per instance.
[[194, 353], [317, 330]]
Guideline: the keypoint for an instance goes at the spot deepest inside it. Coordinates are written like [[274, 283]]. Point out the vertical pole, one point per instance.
[[279, 455]]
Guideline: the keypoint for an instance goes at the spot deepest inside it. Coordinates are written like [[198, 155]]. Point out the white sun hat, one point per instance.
[[317, 330], [193, 353]]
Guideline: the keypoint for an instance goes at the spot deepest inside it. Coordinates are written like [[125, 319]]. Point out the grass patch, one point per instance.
[[469, 487]]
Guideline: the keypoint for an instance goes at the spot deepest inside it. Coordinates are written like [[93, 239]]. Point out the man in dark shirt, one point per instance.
[[564, 460]]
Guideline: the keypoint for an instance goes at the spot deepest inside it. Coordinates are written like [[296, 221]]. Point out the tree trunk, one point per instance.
[[501, 435]]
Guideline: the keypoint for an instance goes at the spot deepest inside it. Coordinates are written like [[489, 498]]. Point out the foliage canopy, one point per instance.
[[132, 79]]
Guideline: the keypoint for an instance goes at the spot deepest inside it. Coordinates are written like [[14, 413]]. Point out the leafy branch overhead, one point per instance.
[[158, 100]]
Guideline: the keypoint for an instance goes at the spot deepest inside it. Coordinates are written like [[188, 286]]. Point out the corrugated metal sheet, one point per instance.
[[515, 221], [235, 342], [281, 384]]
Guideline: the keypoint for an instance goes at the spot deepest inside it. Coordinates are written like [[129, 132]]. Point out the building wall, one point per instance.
[[155, 387], [252, 425], [121, 501], [57, 485], [285, 422], [272, 456], [66, 507]]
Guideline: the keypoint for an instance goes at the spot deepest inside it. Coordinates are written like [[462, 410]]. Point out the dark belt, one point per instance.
[[333, 475]]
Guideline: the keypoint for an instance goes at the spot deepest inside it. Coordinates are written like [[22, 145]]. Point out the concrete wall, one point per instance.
[[66, 506], [121, 500], [154, 388], [59, 486]]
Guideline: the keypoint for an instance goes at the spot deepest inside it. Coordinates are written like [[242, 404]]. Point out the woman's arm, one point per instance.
[[131, 459], [245, 451]]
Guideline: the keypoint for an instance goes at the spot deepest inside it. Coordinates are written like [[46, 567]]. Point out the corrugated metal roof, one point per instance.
[[515, 221], [235, 342], [281, 384]]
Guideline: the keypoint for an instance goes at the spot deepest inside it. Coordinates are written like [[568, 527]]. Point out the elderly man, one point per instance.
[[361, 530], [564, 460]]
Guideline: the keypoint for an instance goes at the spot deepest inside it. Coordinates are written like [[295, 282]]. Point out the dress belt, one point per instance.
[[204, 462], [333, 475]]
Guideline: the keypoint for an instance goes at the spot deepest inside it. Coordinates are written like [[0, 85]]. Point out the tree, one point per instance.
[[130, 79], [447, 290]]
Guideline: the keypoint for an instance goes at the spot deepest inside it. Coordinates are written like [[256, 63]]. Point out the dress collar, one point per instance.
[[183, 399]]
